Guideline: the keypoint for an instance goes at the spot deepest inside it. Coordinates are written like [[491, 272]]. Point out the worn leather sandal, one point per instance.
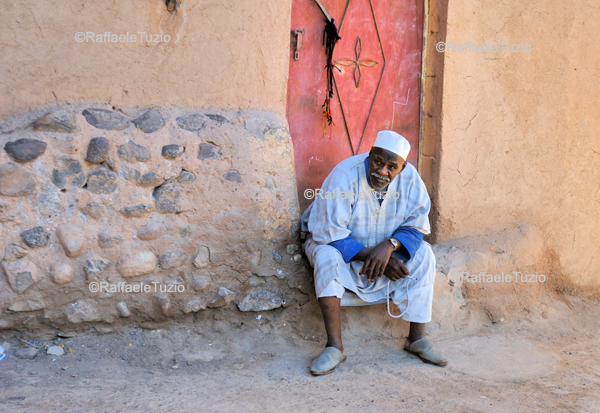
[[426, 352], [327, 361]]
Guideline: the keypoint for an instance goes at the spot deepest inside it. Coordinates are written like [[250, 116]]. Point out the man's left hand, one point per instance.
[[377, 261], [396, 269]]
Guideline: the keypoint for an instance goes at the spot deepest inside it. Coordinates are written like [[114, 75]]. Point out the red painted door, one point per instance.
[[377, 86]]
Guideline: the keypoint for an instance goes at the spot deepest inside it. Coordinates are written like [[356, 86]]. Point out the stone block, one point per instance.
[[95, 265], [132, 152], [25, 150], [260, 301], [209, 151], [106, 240], [202, 258], [136, 264], [172, 151], [151, 231], [98, 150], [168, 199], [123, 310], [62, 121], [82, 311], [72, 239], [15, 181], [61, 273], [193, 306], [93, 210], [170, 259], [35, 237], [233, 176], [68, 172], [185, 177], [105, 119], [150, 179], [164, 303], [215, 117], [255, 281], [150, 121], [102, 181], [222, 298], [133, 175], [255, 257], [136, 211], [191, 123], [27, 305], [13, 252], [199, 282], [21, 274]]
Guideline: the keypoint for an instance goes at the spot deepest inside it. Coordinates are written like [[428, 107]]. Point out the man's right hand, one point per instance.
[[395, 269]]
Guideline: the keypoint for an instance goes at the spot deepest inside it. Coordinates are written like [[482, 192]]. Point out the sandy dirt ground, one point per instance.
[[524, 365]]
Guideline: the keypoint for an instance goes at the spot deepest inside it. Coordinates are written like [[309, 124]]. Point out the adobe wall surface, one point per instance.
[[199, 193], [520, 130], [221, 54]]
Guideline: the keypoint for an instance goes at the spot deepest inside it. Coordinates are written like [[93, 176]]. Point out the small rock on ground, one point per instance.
[[28, 353], [55, 351]]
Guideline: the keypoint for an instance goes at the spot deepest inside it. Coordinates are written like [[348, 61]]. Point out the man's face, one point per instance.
[[383, 167]]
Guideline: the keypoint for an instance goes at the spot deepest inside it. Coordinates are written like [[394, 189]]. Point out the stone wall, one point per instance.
[[196, 209]]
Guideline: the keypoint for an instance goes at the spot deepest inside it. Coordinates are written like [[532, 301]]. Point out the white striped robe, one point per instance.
[[370, 223]]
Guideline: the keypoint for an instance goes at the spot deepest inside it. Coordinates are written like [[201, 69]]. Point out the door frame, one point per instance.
[[435, 16]]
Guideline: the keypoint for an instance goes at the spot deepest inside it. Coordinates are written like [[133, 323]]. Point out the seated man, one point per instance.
[[365, 234]]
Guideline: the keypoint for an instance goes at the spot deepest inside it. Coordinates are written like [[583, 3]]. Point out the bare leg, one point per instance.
[[423, 349], [330, 307], [416, 332]]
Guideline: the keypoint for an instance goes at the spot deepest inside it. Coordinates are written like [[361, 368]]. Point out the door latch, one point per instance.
[[297, 42]]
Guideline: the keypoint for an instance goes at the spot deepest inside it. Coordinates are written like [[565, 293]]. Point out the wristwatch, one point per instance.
[[395, 243]]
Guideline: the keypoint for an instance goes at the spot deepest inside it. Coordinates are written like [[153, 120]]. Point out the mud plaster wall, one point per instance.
[[520, 130], [227, 54]]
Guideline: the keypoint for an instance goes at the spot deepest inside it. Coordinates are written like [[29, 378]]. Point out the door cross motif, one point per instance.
[[357, 62]]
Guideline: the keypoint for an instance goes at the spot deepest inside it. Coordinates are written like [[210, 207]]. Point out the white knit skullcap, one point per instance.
[[393, 142]]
